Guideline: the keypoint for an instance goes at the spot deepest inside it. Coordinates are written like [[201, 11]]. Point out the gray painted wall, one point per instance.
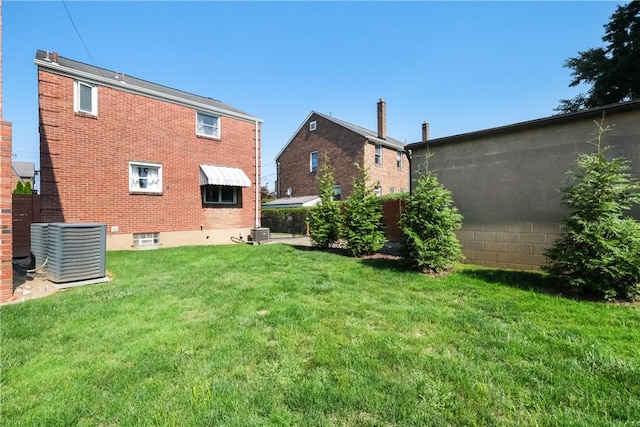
[[505, 183]]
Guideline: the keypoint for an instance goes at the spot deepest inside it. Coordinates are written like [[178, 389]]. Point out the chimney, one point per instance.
[[55, 57], [425, 131], [382, 119]]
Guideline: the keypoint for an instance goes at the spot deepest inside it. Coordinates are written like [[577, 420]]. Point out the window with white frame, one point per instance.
[[337, 192], [219, 195], [85, 98], [312, 125], [313, 161], [392, 190], [377, 190], [208, 125], [399, 160], [378, 155], [145, 177], [146, 239]]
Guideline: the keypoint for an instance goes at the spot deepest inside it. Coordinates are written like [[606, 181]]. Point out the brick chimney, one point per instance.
[[382, 119], [425, 131]]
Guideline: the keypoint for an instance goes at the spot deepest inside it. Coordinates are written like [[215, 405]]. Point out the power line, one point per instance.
[[78, 32]]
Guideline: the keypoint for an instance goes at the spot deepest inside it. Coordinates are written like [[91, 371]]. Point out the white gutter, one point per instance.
[[257, 224]]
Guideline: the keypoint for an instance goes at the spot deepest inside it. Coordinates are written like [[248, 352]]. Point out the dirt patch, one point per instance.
[[30, 287]]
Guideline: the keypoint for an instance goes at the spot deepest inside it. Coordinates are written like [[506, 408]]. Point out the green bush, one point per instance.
[[325, 218], [363, 228], [599, 247], [286, 220], [22, 188], [428, 223]]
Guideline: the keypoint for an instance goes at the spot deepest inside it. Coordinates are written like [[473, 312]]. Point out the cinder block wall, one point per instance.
[[506, 184], [85, 169]]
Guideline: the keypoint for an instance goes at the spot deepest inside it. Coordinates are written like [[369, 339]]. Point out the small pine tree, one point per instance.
[[599, 248], [27, 187], [19, 188], [363, 227], [428, 223], [325, 217]]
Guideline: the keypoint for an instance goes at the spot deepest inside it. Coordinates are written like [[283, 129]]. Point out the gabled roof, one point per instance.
[[24, 169], [68, 67], [596, 112], [364, 132]]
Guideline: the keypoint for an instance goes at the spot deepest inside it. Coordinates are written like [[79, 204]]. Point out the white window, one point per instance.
[[146, 239], [312, 125], [399, 160], [145, 177], [85, 98], [337, 192], [208, 125], [313, 161], [378, 155], [392, 190], [377, 190], [219, 195]]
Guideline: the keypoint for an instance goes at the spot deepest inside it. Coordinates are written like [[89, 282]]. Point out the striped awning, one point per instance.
[[222, 175]]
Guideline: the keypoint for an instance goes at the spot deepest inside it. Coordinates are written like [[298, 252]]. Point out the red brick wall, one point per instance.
[[388, 173], [343, 147], [85, 170], [6, 188]]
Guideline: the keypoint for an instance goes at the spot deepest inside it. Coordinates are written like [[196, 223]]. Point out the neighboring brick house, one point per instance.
[[343, 144], [159, 166]]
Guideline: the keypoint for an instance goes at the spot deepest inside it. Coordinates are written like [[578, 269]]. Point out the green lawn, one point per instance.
[[277, 335]]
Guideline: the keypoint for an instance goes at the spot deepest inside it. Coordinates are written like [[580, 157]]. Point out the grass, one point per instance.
[[277, 335]]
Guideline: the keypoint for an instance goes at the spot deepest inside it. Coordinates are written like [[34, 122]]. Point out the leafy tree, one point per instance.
[[363, 228], [428, 223], [599, 247], [265, 194], [613, 71], [325, 217]]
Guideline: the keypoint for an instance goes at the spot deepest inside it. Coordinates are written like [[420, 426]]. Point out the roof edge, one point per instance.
[[545, 121]]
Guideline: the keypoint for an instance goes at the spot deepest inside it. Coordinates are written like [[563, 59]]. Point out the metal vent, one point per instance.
[[259, 235], [76, 251], [39, 238]]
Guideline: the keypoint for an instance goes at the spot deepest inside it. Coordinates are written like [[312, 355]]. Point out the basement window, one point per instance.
[[147, 240]]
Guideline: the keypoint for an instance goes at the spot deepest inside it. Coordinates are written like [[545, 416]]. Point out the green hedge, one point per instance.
[[286, 220]]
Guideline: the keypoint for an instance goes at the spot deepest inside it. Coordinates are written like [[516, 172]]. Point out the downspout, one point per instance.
[[257, 223], [409, 153]]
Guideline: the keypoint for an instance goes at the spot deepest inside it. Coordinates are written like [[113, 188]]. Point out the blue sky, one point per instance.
[[461, 66]]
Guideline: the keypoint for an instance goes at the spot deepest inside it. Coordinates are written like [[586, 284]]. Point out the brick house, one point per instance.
[[159, 166], [343, 144]]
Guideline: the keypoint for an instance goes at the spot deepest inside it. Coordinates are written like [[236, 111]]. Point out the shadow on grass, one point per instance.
[[527, 280], [380, 260]]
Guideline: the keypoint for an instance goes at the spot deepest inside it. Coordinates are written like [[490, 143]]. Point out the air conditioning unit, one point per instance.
[[74, 251], [39, 239], [259, 235]]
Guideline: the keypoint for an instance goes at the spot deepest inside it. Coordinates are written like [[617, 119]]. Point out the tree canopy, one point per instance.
[[613, 71]]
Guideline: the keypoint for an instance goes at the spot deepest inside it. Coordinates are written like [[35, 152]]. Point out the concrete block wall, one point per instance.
[[85, 162], [509, 245], [506, 183]]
